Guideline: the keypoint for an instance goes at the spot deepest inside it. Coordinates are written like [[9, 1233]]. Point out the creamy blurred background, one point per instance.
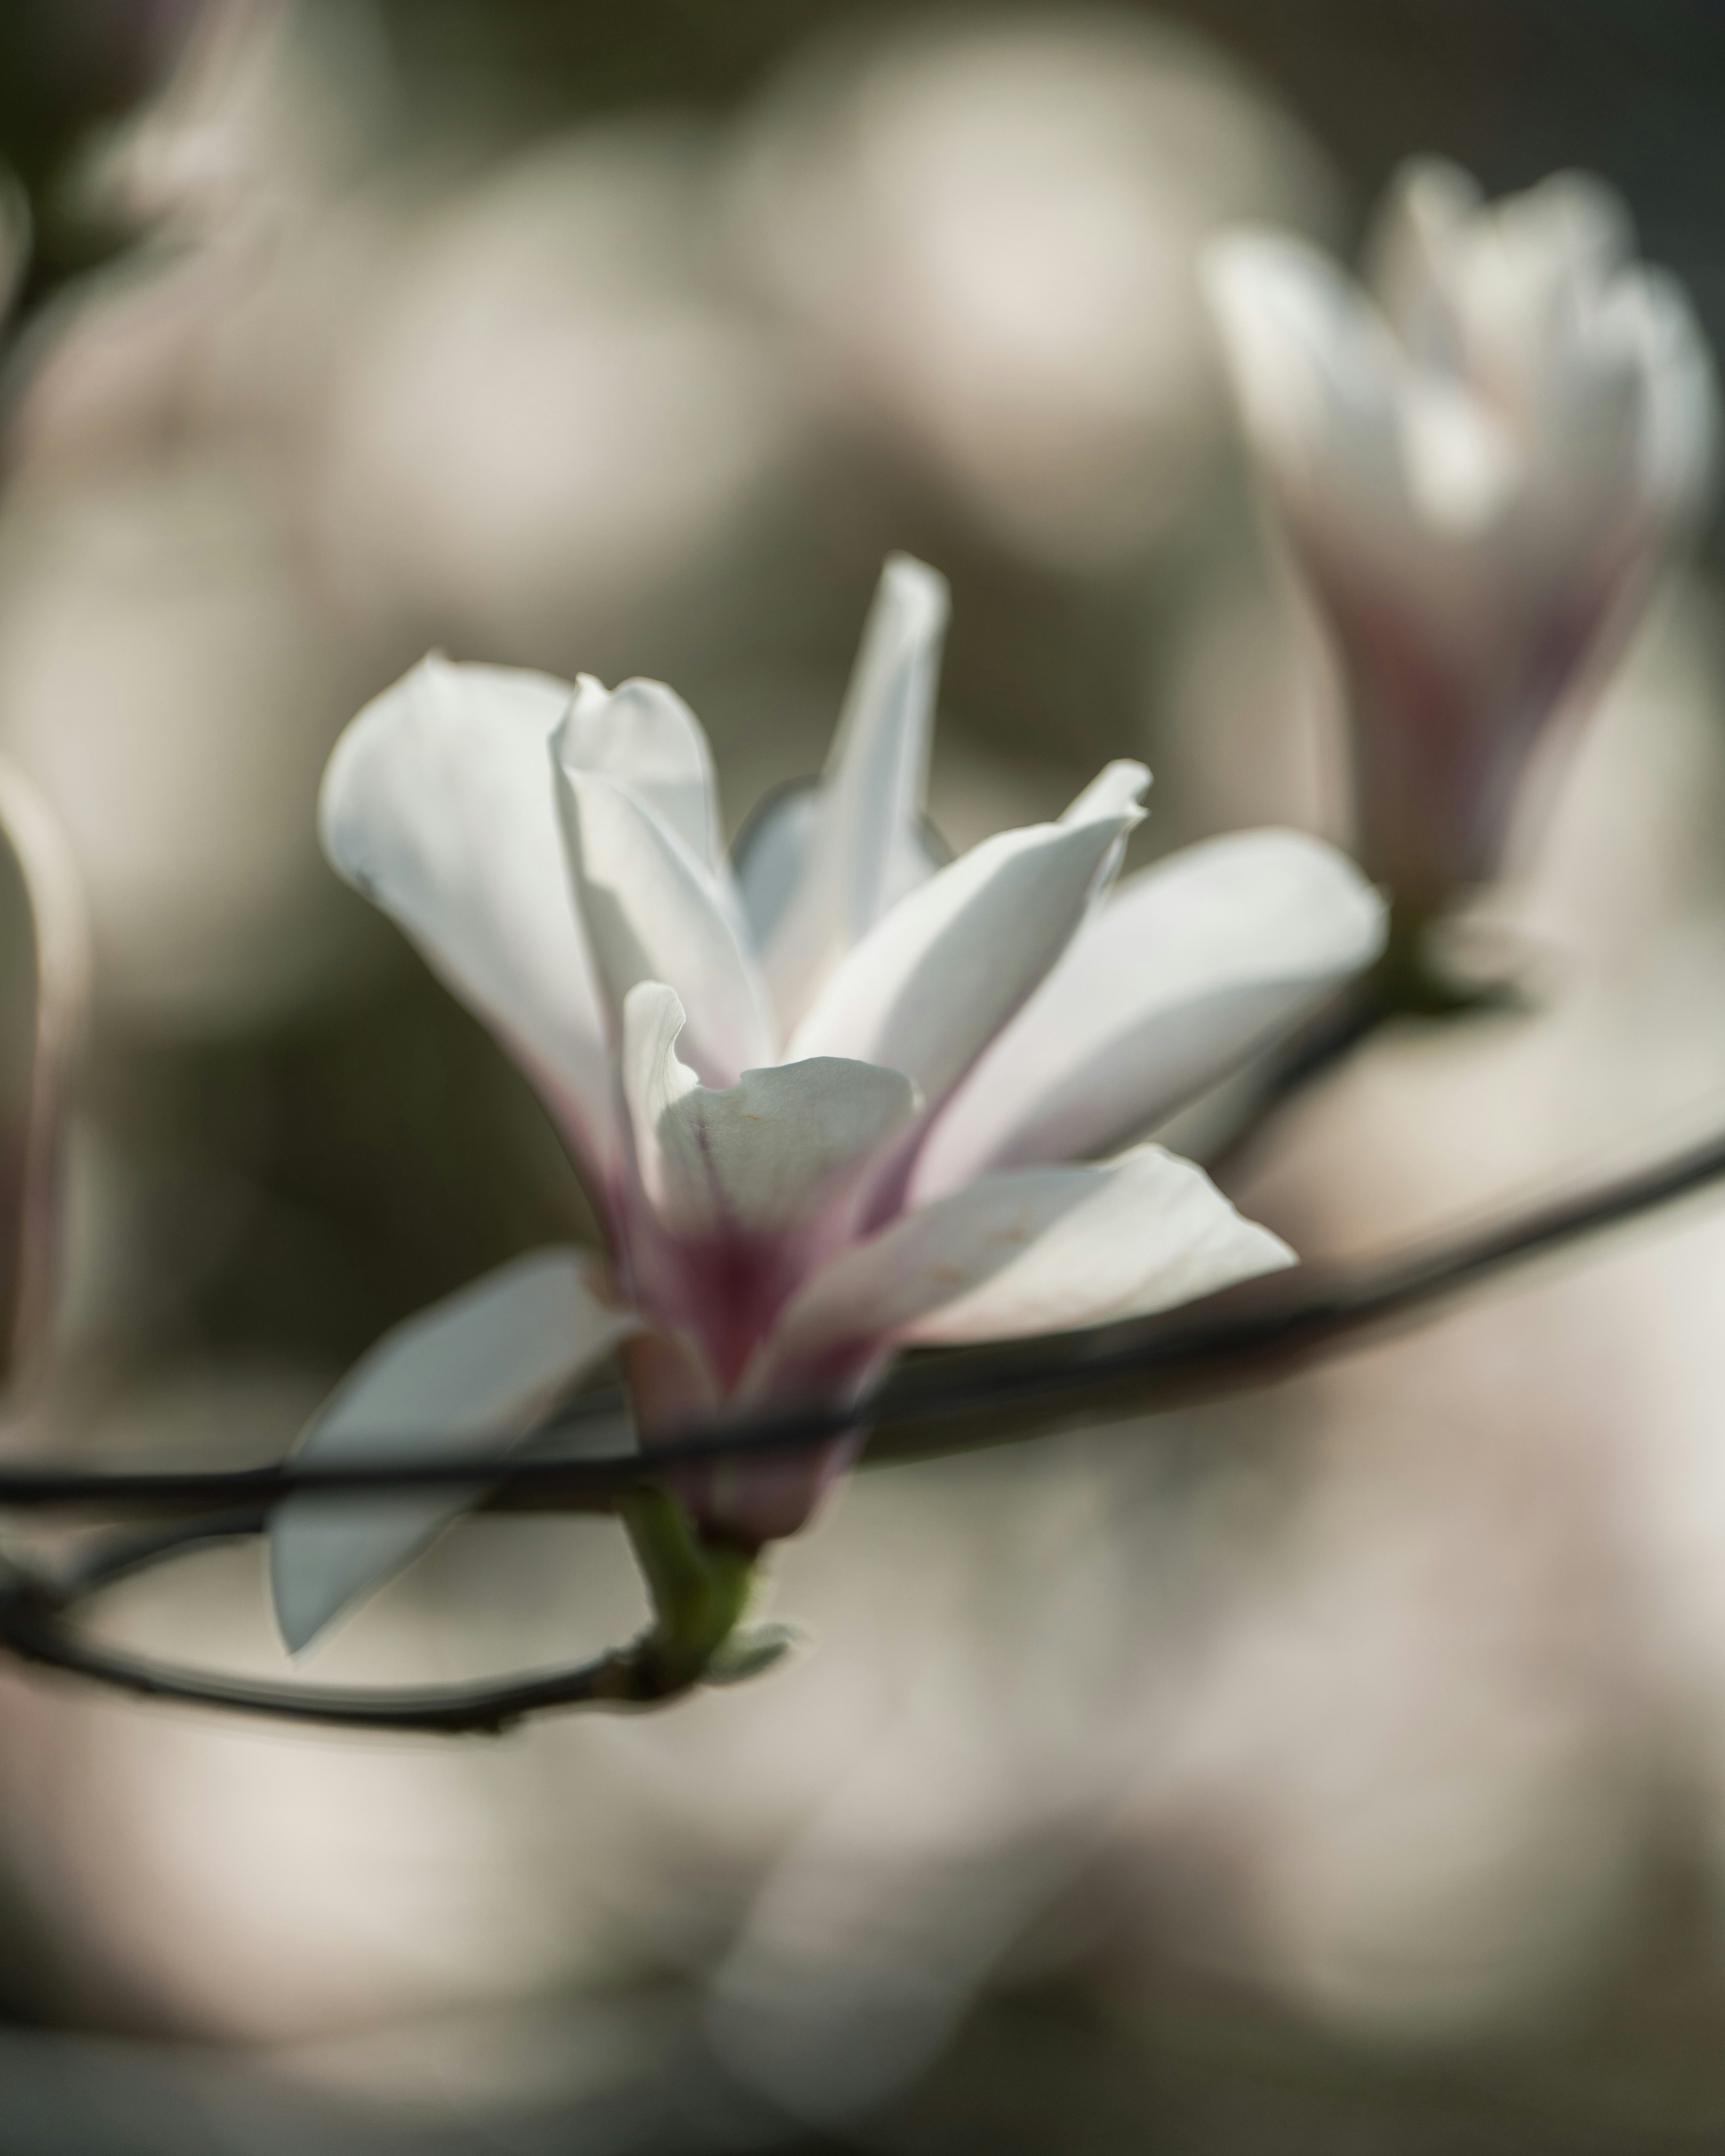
[[1343, 1769]]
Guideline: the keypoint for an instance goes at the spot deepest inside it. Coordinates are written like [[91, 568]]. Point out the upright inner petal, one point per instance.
[[860, 849], [643, 735], [652, 913], [1032, 1250], [436, 805], [928, 989]]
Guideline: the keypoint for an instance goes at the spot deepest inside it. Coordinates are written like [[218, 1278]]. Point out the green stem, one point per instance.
[[1407, 981], [699, 1589]]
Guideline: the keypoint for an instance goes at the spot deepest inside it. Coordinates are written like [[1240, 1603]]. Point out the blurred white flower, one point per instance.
[[987, 234], [826, 1101], [546, 410], [1480, 468], [265, 96], [166, 680], [44, 966]]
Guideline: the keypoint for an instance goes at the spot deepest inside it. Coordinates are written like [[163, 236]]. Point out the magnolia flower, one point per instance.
[[1481, 466], [45, 987], [828, 1098]]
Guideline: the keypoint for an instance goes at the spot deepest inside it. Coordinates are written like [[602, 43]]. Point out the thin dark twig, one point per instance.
[[1248, 1338], [950, 1402], [35, 1625]]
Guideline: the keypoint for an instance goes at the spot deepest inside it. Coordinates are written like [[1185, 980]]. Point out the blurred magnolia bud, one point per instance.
[[44, 976], [70, 65], [1480, 467], [986, 235], [169, 682], [268, 102]]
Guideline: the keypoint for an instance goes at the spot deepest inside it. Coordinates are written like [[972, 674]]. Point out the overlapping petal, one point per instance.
[[759, 1159], [652, 912], [1316, 371], [464, 1379], [826, 868], [437, 806], [1187, 969], [939, 976], [45, 986], [1037, 1250], [645, 737]]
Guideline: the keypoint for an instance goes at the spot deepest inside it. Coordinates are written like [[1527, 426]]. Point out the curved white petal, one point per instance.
[[44, 991], [861, 848], [934, 981], [1187, 969], [1315, 368], [644, 736], [1037, 1250], [465, 1379], [769, 855], [1679, 412], [1431, 208], [438, 804], [653, 913], [760, 1157], [1118, 789]]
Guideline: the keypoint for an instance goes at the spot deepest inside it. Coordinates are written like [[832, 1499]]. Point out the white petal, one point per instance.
[[1187, 968], [653, 913], [928, 989], [645, 736], [438, 804], [1432, 211], [44, 987], [1316, 370], [769, 852], [1116, 790], [465, 1379], [1037, 1250], [1464, 467], [763, 1156], [1679, 445], [863, 849], [1571, 228], [1528, 282]]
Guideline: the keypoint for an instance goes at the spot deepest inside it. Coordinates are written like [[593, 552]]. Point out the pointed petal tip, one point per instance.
[[1435, 190], [302, 1613], [647, 1001], [466, 1378], [915, 583], [1236, 261], [1114, 794]]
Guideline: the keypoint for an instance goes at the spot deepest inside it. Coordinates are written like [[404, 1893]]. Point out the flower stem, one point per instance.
[[699, 1589]]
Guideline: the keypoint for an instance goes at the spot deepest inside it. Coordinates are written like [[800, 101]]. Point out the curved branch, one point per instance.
[[954, 1400], [36, 1624], [1250, 1336]]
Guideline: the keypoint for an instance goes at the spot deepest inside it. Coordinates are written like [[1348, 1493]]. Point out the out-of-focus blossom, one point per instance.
[[547, 394], [167, 681], [834, 1100], [1480, 466], [44, 982], [986, 233], [264, 92], [70, 69]]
